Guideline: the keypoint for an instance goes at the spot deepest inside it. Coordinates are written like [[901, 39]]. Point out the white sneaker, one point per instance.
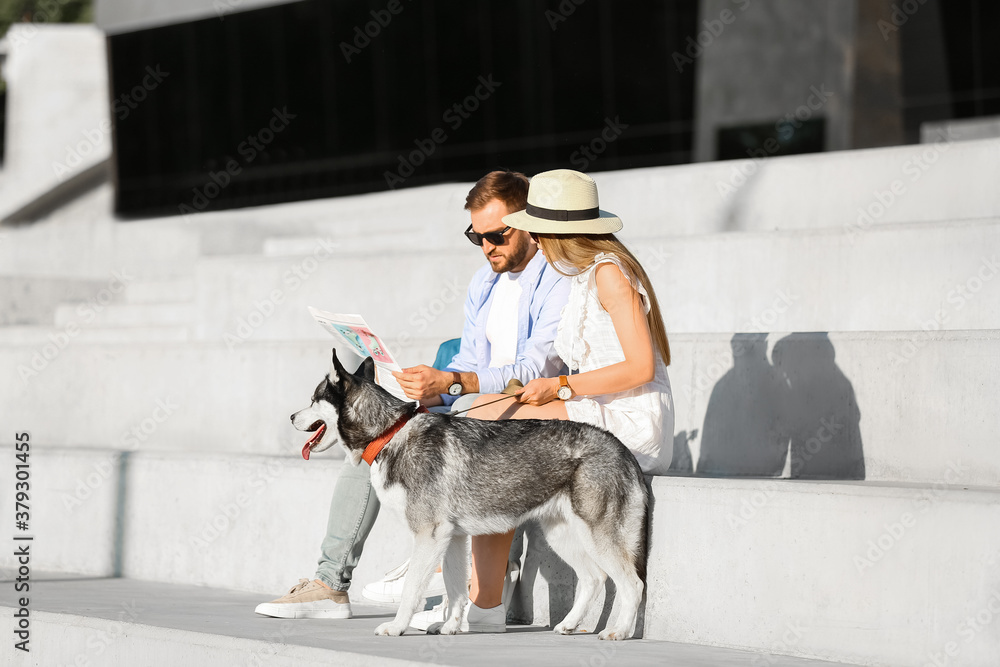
[[475, 619], [390, 588], [485, 620], [425, 619]]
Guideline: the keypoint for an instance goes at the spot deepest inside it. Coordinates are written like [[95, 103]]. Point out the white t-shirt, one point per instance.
[[501, 324]]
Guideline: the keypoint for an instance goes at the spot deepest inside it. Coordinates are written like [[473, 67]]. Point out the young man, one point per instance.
[[512, 311]]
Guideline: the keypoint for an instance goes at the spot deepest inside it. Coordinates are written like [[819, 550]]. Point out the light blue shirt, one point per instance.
[[544, 292]]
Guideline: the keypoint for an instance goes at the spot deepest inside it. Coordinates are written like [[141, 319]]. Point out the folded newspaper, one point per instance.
[[354, 332]]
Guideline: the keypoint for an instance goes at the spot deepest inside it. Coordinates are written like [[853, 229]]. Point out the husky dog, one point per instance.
[[454, 477]]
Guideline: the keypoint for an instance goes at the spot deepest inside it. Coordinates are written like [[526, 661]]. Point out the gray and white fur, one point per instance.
[[453, 477]]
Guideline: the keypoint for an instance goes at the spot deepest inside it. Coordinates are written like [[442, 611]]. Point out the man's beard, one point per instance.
[[514, 259]]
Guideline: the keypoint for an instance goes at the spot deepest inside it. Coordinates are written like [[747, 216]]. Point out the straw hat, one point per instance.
[[563, 201]]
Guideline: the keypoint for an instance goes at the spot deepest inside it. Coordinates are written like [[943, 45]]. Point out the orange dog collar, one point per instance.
[[375, 446]]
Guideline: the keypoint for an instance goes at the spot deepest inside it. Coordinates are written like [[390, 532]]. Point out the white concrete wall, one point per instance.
[[58, 116], [250, 523], [923, 402], [864, 574]]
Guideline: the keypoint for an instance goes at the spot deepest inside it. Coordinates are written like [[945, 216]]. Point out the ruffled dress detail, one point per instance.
[[643, 417]]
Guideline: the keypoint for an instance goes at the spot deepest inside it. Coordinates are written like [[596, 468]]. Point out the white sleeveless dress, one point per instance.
[[642, 418]]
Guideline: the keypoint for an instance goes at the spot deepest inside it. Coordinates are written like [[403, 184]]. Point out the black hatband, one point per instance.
[[562, 215]]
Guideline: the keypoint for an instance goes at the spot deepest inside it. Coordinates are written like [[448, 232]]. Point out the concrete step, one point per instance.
[[93, 245], [902, 184], [179, 290], [936, 276], [865, 573], [400, 295], [247, 230], [32, 300], [167, 395], [940, 276], [130, 315], [888, 406], [428, 236], [921, 183], [127, 622], [42, 336]]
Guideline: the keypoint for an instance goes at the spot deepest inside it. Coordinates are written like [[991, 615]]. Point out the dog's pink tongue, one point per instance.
[[317, 436]]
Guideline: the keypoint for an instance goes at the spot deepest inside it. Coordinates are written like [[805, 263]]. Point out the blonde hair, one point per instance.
[[577, 252]]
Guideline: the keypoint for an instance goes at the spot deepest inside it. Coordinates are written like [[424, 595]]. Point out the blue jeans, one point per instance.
[[353, 510]]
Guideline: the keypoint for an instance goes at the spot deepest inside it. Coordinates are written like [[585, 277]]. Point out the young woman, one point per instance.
[[611, 337]]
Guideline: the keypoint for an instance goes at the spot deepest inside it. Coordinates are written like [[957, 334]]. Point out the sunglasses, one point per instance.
[[496, 238]]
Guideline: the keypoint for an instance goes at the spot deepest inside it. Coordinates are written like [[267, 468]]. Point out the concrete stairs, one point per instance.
[[903, 414], [836, 463], [927, 275], [804, 568]]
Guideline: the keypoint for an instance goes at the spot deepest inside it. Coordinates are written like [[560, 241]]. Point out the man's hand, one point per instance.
[[539, 391], [422, 382]]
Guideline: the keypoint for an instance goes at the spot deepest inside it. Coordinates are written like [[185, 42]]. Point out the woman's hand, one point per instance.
[[539, 391]]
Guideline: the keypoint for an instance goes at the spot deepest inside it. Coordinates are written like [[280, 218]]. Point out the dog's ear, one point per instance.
[[337, 370], [366, 369]]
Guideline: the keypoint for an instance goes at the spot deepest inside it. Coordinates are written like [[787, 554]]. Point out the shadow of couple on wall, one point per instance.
[[796, 417]]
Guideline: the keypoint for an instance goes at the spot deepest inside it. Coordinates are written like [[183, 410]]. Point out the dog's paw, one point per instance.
[[613, 634], [390, 629], [563, 629], [450, 627]]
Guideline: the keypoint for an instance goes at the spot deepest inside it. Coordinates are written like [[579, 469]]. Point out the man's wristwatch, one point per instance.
[[456, 387], [564, 393]]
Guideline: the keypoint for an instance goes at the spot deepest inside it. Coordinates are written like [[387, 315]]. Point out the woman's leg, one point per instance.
[[511, 409], [489, 565], [490, 552]]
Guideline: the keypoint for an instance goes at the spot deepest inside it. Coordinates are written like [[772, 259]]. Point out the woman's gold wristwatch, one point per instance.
[[564, 393]]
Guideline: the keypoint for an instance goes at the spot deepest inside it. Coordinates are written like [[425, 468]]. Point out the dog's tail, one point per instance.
[[643, 555]]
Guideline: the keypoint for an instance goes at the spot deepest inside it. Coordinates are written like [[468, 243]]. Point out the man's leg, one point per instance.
[[353, 510], [463, 402]]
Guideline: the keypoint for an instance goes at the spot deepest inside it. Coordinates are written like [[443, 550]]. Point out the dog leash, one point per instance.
[[511, 387]]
